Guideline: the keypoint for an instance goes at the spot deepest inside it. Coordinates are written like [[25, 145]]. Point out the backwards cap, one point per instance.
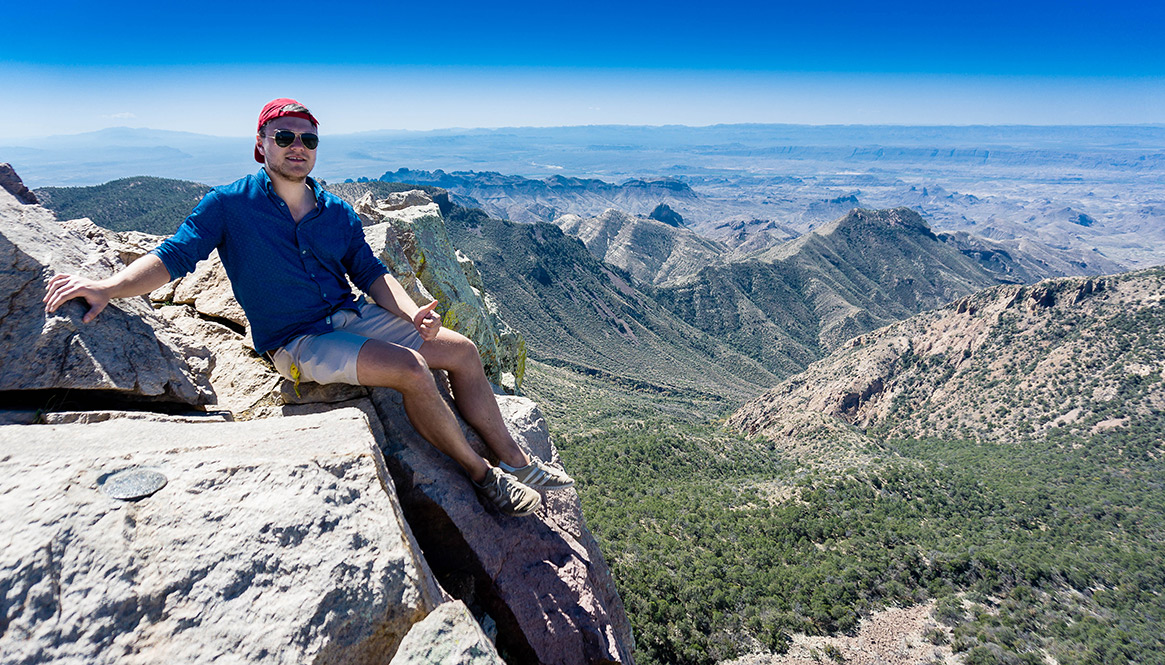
[[281, 108]]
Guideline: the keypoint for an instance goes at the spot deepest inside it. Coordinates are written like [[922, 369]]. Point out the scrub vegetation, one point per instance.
[[722, 545], [144, 203]]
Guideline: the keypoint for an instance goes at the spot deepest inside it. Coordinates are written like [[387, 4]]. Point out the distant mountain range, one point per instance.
[[1090, 194], [528, 200], [607, 151], [798, 301]]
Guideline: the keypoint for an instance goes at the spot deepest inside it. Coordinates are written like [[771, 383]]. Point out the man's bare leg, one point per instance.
[[406, 371], [457, 355]]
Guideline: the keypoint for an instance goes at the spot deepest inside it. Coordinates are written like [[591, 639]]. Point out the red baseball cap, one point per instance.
[[281, 108]]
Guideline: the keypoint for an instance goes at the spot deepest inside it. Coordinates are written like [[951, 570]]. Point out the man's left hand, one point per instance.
[[427, 321]]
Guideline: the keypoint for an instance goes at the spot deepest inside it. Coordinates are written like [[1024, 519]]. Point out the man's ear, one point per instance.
[[259, 145]]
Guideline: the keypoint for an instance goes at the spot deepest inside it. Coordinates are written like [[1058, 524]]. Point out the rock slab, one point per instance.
[[542, 578], [127, 350], [273, 541]]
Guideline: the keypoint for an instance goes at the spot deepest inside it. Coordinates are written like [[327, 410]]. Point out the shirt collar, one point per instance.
[[265, 184]]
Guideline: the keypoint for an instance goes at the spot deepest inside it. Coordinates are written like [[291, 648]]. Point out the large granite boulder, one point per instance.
[[120, 246], [419, 232], [203, 308], [208, 290], [542, 578], [128, 349], [273, 541], [244, 381]]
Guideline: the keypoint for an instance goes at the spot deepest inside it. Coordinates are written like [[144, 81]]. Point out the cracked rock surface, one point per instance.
[[128, 349], [269, 543]]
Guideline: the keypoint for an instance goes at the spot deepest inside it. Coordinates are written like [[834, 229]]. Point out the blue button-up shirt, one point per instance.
[[287, 277]]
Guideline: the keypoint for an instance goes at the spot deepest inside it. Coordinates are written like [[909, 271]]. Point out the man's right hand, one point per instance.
[[142, 276], [63, 288]]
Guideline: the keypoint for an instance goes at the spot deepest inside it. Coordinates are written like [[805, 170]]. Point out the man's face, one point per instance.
[[295, 161]]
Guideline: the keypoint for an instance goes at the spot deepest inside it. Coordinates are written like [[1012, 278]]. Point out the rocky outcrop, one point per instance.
[[128, 350], [121, 247], [12, 183], [208, 290], [278, 539], [267, 543], [243, 381], [664, 213], [448, 636], [542, 578], [417, 234]]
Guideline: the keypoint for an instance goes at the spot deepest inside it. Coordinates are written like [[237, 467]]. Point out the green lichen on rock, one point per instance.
[[413, 243]]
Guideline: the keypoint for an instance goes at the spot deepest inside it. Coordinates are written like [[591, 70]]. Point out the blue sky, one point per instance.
[[67, 67]]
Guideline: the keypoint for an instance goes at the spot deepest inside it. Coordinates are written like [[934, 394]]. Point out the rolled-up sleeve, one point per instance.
[[195, 239]]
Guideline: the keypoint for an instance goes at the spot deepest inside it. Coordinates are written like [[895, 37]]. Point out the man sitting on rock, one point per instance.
[[287, 246]]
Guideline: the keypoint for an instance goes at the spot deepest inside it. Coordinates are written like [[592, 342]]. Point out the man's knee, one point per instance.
[[416, 369], [465, 348], [403, 368]]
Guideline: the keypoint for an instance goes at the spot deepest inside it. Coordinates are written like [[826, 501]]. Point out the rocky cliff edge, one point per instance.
[[263, 523]]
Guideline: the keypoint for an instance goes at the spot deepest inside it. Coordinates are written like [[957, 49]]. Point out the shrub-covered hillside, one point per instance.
[[143, 203]]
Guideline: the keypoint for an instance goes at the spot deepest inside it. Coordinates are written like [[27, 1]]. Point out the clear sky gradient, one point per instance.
[[68, 67]]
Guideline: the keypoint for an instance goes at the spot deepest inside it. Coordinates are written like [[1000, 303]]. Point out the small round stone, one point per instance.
[[131, 484]]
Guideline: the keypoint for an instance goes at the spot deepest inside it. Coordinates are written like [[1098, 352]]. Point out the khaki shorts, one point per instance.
[[331, 357]]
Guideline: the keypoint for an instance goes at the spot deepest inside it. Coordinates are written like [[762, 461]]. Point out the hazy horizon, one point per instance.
[[369, 67]]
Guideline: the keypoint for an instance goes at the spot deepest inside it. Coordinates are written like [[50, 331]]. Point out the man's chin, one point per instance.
[[291, 171]]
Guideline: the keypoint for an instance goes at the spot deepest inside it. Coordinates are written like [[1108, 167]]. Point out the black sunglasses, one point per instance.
[[285, 137]]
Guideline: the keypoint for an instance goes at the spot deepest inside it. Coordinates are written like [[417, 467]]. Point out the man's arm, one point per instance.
[[138, 278], [387, 292]]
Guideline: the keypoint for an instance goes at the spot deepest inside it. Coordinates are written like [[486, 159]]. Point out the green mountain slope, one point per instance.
[[143, 203], [1001, 457], [793, 304], [578, 312], [1068, 356]]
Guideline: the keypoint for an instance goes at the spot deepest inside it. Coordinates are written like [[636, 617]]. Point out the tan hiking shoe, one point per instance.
[[540, 475], [507, 494]]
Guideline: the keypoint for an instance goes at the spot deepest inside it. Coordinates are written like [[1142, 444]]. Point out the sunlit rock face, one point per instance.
[[128, 350]]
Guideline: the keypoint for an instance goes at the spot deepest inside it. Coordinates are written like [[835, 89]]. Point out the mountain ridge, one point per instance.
[[652, 251], [529, 200], [861, 272], [989, 364]]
